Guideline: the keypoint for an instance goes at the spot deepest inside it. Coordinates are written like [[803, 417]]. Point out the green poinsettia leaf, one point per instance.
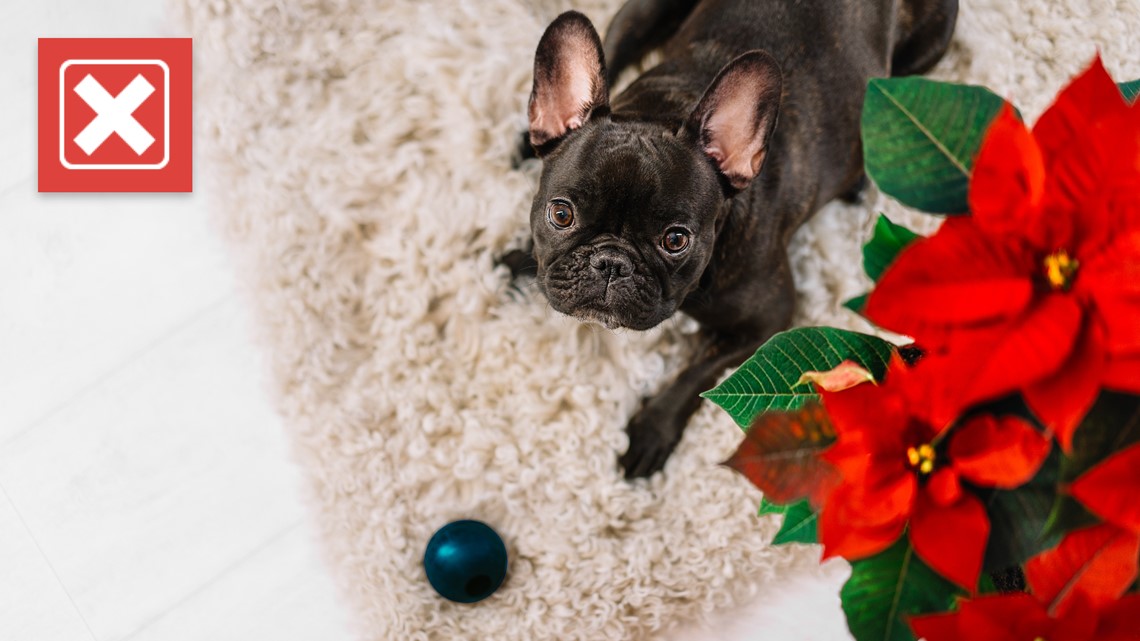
[[769, 379], [1018, 518], [986, 584], [768, 507], [1130, 89], [1111, 425], [920, 138], [800, 525], [800, 522], [886, 589], [886, 242], [857, 304]]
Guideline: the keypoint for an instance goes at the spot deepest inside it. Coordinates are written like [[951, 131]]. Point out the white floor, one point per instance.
[[146, 491]]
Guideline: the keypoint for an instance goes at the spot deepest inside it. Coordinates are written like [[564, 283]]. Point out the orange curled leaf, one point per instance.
[[843, 376], [780, 454]]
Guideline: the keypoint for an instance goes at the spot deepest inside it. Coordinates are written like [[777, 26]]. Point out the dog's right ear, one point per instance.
[[569, 79], [734, 120]]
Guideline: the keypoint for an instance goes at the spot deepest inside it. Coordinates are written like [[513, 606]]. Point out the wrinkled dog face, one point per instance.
[[623, 223]]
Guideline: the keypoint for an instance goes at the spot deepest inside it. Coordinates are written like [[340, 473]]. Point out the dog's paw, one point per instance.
[[653, 435]]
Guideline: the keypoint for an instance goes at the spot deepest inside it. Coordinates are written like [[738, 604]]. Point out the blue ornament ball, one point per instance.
[[465, 561]]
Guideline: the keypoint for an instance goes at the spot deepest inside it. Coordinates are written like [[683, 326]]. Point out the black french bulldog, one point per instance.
[[681, 192]]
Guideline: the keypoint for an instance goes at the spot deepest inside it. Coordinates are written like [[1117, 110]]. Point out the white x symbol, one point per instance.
[[113, 115]]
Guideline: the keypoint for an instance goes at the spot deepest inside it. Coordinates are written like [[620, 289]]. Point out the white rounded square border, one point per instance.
[[165, 112]]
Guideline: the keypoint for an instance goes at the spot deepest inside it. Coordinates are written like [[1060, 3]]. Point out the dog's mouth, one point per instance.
[[609, 318], [575, 289], [599, 317]]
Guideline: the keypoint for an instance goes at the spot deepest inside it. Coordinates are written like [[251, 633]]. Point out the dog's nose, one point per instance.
[[612, 263]]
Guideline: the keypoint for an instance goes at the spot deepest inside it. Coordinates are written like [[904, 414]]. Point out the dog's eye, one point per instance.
[[675, 240], [560, 214]]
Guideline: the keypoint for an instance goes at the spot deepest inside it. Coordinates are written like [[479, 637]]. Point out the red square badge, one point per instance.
[[115, 114]]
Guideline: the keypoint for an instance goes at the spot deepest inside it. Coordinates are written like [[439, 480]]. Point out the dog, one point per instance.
[[681, 192]]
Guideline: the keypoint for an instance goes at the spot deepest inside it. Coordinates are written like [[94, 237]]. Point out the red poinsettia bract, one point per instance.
[[1038, 290], [1110, 488], [1093, 565], [1020, 617], [902, 464]]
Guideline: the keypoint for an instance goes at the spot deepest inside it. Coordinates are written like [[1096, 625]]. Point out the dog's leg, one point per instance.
[[638, 27], [656, 428], [928, 30], [521, 262]]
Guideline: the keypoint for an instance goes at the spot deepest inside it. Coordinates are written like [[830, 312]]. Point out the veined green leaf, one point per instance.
[[920, 138], [800, 525], [1130, 89], [889, 586], [886, 242], [857, 304], [768, 379]]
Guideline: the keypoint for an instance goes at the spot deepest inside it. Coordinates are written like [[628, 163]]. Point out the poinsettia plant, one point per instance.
[[983, 480]]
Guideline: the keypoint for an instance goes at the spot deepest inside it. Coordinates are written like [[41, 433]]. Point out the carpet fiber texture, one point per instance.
[[360, 150]]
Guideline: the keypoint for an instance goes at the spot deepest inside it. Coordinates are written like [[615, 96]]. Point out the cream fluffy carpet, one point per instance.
[[361, 149]]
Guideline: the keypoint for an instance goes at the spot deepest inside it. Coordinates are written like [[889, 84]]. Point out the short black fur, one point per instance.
[[747, 127]]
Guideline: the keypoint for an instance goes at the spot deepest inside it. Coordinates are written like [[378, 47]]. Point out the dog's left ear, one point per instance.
[[734, 120], [569, 79]]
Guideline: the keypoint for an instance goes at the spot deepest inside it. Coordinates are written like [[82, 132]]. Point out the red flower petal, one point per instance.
[[1017, 617], [1008, 178], [841, 538], [1096, 563], [1031, 348], [875, 412], [938, 627], [1118, 620], [1091, 96], [1109, 246], [933, 396], [1077, 623], [943, 487], [1091, 143], [1012, 617], [1121, 318], [1111, 277], [951, 539], [959, 275], [1004, 617], [1122, 373], [851, 543], [994, 452], [1112, 271], [884, 495], [1110, 489], [1105, 159], [1062, 400]]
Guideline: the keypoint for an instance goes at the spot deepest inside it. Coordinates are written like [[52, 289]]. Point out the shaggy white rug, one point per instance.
[[361, 150]]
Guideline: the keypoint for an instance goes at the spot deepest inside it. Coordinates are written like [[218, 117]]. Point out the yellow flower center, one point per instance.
[[921, 458], [1060, 270]]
